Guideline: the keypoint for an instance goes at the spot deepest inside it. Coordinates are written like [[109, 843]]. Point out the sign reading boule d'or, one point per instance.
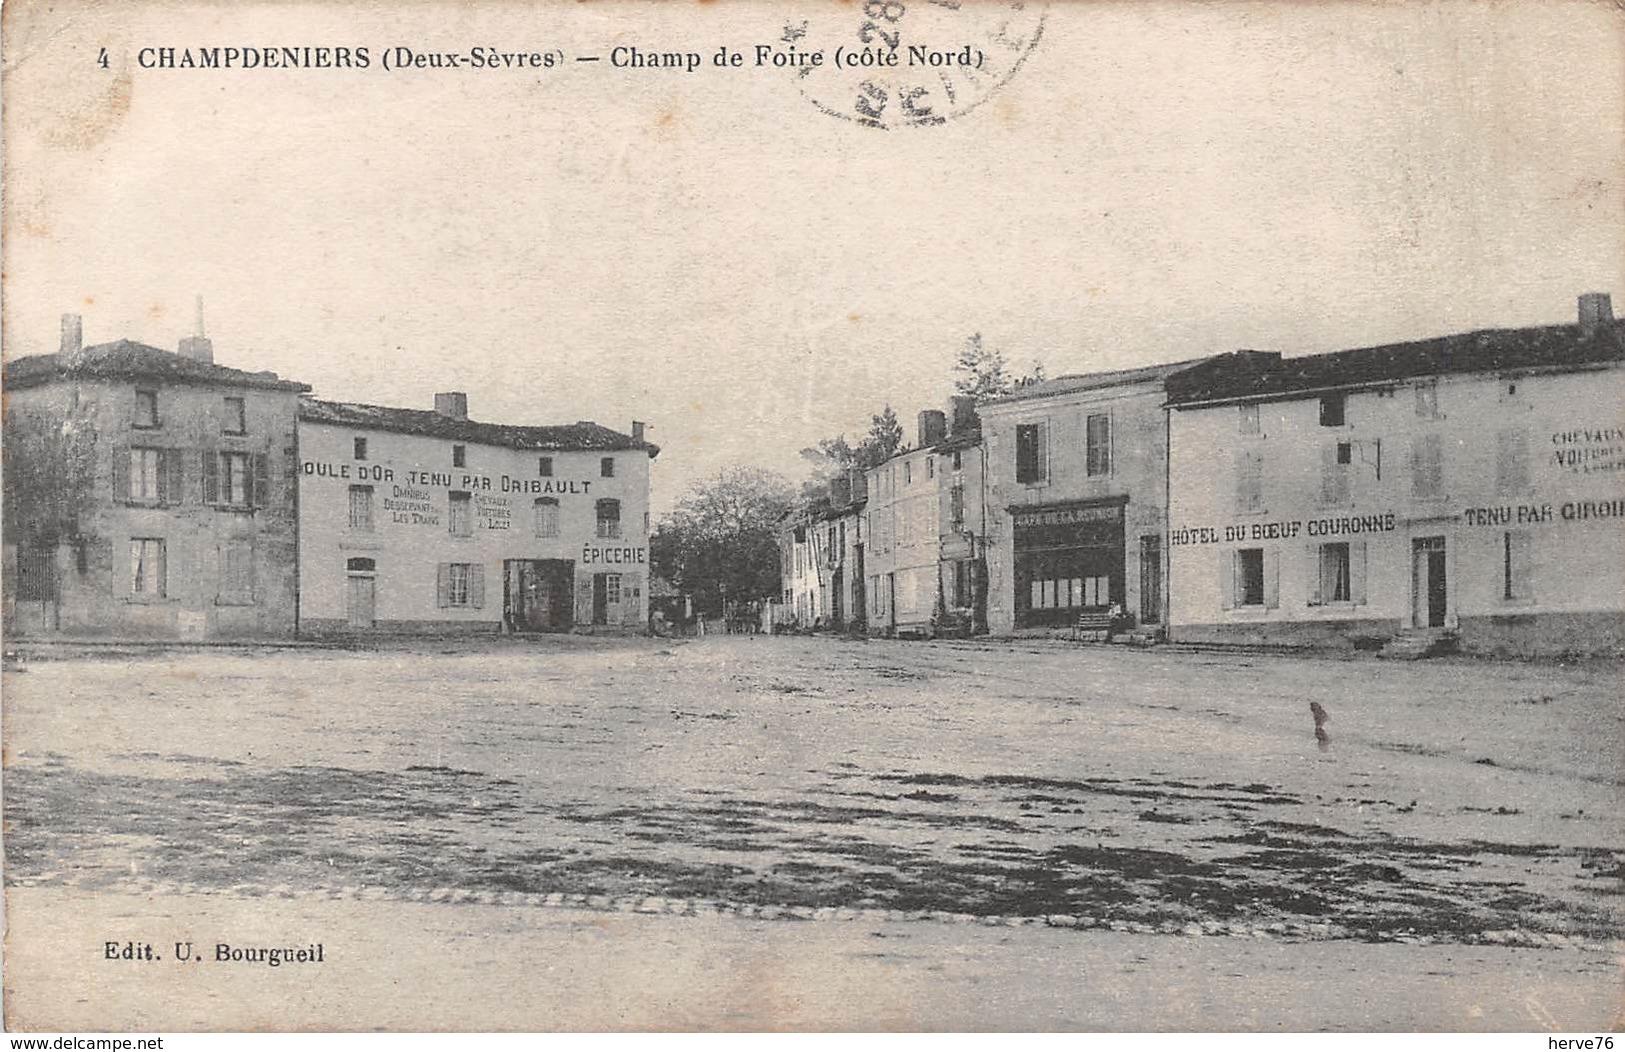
[[452, 480]]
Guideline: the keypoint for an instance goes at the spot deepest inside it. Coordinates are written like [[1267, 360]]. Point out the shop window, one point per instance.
[[461, 518], [547, 517], [609, 518], [606, 467], [544, 467], [1247, 585], [459, 456], [1427, 399], [1333, 410], [235, 421], [1098, 437], [1030, 453], [360, 507], [1334, 473], [1249, 482], [1249, 419], [146, 409], [361, 449], [1427, 468], [236, 586], [149, 576], [461, 585], [1515, 567], [1512, 462], [1061, 593]]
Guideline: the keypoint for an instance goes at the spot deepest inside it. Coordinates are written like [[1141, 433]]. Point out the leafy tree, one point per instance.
[[50, 476], [720, 543], [981, 371], [885, 439], [834, 457]]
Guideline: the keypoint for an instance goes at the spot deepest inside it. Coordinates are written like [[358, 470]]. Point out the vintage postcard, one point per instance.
[[874, 515]]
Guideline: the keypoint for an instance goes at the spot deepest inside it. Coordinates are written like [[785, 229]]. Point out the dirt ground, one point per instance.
[[966, 835]]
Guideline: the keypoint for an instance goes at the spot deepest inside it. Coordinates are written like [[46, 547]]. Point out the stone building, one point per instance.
[[822, 554], [1076, 489], [1467, 488], [149, 493], [418, 520]]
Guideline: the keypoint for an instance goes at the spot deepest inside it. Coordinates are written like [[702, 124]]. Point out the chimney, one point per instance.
[[198, 347], [858, 483], [637, 431], [840, 491], [73, 339], [453, 404], [1595, 309], [964, 414], [933, 427]]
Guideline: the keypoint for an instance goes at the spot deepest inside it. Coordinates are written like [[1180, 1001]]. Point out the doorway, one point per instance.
[[538, 594], [1429, 588], [600, 598], [1151, 579], [363, 601]]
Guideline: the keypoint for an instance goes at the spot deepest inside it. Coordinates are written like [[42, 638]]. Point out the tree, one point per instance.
[[50, 475], [981, 371], [834, 457], [885, 439], [720, 543]]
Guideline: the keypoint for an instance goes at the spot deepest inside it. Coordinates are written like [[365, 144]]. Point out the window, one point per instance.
[[236, 587], [1427, 468], [606, 467], [361, 564], [609, 517], [612, 588], [360, 507], [930, 467], [1512, 462], [146, 409], [462, 518], [1098, 435], [236, 484], [1515, 567], [146, 476], [1249, 419], [1334, 574], [461, 585], [956, 506], [1249, 482], [148, 575], [1060, 593], [1029, 453], [1427, 399], [361, 449], [1334, 473], [958, 463], [547, 517], [1332, 410], [236, 418], [459, 456], [544, 467], [1249, 577]]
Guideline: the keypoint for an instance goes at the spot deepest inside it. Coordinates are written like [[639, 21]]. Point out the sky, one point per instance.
[[711, 253]]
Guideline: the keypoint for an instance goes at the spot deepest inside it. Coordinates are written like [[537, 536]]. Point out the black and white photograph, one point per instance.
[[862, 516]]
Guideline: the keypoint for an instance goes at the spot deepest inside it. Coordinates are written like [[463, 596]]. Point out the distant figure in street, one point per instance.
[[1321, 719]]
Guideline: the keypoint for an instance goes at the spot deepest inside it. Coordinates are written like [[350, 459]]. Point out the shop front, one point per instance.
[[1068, 560]]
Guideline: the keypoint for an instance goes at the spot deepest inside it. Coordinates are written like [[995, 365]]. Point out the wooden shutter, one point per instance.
[[1227, 579], [442, 585], [261, 496], [171, 476], [476, 585], [211, 476], [1272, 579], [1328, 474], [121, 474], [1512, 462], [1315, 598], [1357, 572]]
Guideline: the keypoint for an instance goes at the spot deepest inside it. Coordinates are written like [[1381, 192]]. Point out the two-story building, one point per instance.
[[1468, 486], [821, 545], [149, 493], [1076, 486], [426, 521]]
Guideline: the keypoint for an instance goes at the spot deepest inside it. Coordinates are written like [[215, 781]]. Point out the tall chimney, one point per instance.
[[858, 481], [73, 339], [453, 404], [1595, 309], [933, 427], [637, 431], [198, 347], [964, 414]]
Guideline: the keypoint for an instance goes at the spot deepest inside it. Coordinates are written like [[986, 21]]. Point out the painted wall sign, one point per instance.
[[1585, 451], [1543, 514], [1340, 526], [358, 472], [447, 479], [492, 513], [592, 554]]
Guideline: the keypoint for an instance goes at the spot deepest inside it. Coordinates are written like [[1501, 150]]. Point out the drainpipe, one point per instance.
[[1167, 524]]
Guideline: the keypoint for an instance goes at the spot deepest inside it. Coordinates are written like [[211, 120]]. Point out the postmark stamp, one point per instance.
[[912, 63]]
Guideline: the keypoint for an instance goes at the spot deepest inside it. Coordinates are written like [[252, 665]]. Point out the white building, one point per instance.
[[427, 521], [904, 549], [1469, 486]]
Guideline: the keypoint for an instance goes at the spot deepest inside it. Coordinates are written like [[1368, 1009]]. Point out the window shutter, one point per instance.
[[1314, 575], [476, 585], [1357, 572], [1227, 579], [262, 480], [1328, 474], [121, 474], [442, 585], [172, 476], [1272, 580], [1512, 449], [1522, 580], [211, 477]]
